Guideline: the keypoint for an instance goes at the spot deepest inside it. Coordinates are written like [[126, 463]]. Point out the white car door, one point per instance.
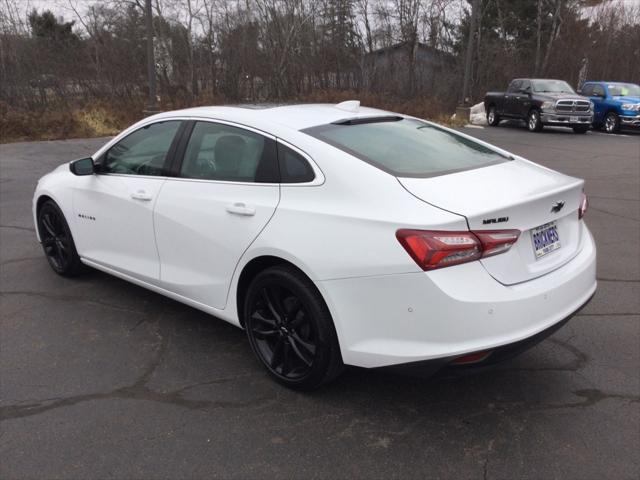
[[224, 193], [113, 209]]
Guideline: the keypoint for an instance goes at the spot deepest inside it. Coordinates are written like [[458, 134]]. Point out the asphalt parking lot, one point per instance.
[[100, 378]]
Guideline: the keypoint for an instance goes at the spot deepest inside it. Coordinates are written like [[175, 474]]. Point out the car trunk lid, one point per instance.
[[512, 195]]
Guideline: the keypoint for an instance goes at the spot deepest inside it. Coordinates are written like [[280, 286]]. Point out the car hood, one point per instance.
[[563, 96], [627, 99]]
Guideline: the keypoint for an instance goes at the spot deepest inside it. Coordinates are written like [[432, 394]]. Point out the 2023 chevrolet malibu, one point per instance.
[[334, 235]]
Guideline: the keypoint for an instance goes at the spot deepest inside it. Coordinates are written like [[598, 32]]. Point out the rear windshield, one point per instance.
[[407, 147]]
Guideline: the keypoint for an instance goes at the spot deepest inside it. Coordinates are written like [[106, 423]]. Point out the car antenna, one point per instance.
[[349, 106]]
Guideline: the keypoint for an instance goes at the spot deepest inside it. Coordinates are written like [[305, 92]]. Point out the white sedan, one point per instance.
[[333, 234]]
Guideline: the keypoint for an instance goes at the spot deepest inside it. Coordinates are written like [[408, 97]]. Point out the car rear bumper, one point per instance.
[[447, 365], [566, 119], [405, 318]]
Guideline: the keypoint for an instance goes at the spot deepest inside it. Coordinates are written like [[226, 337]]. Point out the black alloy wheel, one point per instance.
[[290, 329], [57, 242]]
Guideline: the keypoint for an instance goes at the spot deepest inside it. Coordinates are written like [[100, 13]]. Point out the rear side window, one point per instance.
[[221, 152], [408, 147], [293, 166]]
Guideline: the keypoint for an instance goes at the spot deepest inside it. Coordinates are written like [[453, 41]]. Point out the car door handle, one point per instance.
[[240, 208], [141, 195]]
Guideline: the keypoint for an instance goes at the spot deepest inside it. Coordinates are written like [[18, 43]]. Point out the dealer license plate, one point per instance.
[[573, 119], [545, 239]]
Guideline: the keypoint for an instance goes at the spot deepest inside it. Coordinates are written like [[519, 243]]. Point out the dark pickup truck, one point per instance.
[[540, 102]]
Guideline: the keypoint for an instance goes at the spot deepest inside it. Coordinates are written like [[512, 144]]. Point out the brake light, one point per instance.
[[438, 249], [584, 205], [495, 242]]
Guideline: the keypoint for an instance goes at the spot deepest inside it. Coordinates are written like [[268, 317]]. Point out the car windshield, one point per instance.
[[551, 86], [624, 90], [407, 147]]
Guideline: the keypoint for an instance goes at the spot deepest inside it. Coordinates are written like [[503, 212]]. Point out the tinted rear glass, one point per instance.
[[408, 148]]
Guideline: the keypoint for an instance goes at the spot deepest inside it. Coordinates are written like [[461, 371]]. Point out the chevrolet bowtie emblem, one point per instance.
[[556, 207]]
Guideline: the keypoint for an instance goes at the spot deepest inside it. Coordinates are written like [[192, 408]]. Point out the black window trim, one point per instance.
[[168, 159]]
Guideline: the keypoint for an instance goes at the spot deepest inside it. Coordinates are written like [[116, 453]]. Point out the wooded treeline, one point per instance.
[[386, 51]]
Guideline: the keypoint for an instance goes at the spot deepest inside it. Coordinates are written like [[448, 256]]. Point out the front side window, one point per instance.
[[222, 152], [587, 90], [407, 147], [598, 90], [142, 152], [624, 90], [514, 86]]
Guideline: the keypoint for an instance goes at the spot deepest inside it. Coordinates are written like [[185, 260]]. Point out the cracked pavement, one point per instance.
[[102, 379]]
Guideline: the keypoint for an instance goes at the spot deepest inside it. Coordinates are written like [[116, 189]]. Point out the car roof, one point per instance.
[[296, 117]]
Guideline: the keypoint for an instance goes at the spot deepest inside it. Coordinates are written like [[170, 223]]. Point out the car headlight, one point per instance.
[[591, 106], [630, 106], [548, 105]]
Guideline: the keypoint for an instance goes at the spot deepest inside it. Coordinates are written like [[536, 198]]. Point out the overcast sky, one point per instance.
[[63, 7]]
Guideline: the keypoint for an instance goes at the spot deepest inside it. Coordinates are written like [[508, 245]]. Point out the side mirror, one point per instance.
[[83, 166]]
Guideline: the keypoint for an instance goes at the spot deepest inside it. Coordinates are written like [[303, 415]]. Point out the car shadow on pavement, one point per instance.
[[199, 354]]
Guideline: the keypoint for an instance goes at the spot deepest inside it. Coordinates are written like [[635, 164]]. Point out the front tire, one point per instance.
[[493, 119], [57, 241], [290, 329], [580, 129], [534, 122], [612, 122]]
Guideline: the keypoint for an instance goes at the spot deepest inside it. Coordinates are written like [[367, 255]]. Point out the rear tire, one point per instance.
[[57, 241], [580, 129], [612, 122], [493, 119], [290, 329], [534, 122]]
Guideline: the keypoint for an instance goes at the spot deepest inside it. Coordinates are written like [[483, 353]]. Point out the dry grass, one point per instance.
[[62, 121], [103, 118]]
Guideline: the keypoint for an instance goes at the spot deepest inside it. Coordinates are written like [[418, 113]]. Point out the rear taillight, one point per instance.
[[495, 242], [584, 205], [438, 249]]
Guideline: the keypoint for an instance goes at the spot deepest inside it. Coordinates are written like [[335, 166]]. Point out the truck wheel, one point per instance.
[[493, 118], [611, 122], [534, 123], [580, 129]]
